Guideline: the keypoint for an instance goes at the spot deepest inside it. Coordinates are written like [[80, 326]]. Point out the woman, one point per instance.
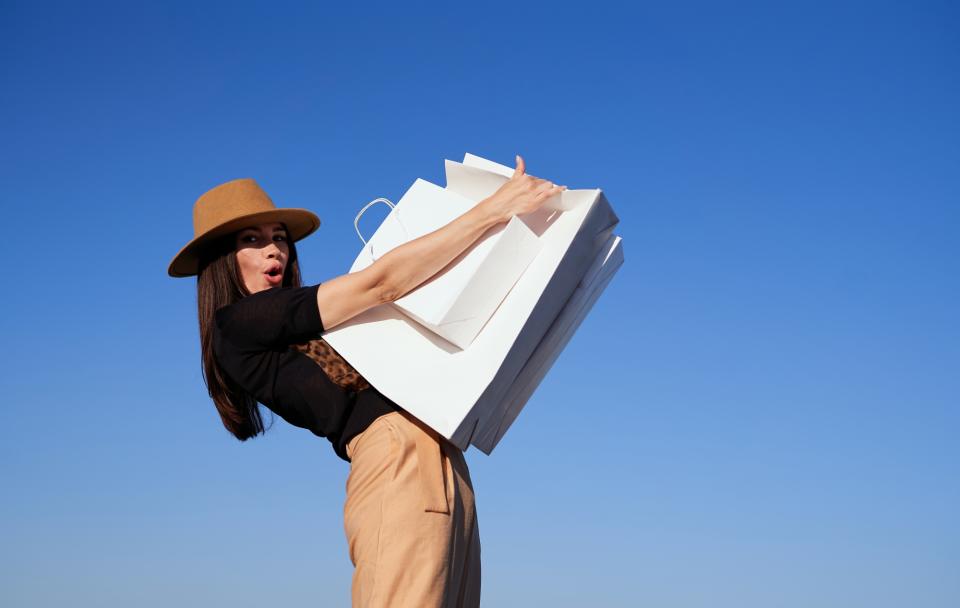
[[409, 514]]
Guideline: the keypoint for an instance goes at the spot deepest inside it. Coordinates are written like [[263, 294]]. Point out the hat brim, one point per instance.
[[300, 223]]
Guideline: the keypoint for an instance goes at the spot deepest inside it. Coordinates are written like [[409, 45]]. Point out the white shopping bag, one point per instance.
[[561, 331], [459, 391], [458, 301]]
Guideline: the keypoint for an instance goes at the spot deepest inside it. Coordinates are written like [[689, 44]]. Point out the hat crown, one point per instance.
[[228, 201]]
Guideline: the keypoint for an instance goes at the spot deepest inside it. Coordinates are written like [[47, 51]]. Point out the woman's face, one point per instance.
[[262, 255]]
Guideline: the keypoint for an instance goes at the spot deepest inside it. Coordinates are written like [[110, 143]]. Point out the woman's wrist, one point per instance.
[[489, 214]]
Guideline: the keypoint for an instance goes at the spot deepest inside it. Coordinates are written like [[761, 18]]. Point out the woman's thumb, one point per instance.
[[521, 167]]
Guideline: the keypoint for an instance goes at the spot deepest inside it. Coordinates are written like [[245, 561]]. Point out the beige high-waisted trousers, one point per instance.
[[410, 518]]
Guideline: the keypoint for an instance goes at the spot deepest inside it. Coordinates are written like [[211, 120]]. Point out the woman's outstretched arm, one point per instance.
[[404, 268]]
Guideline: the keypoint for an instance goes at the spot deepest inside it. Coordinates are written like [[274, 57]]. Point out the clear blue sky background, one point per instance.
[[762, 409]]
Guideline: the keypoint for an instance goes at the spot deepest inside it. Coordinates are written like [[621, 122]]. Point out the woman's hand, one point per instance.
[[522, 194]]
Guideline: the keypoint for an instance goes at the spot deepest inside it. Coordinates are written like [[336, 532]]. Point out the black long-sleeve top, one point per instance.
[[251, 343]]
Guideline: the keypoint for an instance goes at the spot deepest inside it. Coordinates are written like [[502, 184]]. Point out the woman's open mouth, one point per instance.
[[274, 276]]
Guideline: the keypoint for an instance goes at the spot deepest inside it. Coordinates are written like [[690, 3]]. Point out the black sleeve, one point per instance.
[[251, 343], [272, 317]]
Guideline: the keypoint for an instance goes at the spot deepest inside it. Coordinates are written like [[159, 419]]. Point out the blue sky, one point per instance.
[[761, 410]]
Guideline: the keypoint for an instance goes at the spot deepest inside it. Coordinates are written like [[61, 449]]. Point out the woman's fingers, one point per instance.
[[532, 181], [548, 192], [537, 189], [521, 167], [542, 185]]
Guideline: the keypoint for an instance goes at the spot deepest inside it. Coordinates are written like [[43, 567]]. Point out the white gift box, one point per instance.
[[471, 395], [456, 302]]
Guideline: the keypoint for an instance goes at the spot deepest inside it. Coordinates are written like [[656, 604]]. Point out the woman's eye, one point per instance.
[[253, 237]]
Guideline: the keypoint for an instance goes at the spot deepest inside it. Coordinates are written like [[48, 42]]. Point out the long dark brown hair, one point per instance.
[[219, 284]]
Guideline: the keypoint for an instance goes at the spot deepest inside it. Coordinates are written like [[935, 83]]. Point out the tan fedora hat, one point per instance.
[[232, 206]]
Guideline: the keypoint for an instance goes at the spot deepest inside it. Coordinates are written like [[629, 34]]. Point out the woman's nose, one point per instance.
[[272, 251]]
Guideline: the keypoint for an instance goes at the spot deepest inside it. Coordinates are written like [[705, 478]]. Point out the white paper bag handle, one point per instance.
[[393, 208]]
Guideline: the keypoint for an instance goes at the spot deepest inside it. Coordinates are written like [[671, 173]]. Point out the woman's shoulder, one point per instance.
[[271, 318]]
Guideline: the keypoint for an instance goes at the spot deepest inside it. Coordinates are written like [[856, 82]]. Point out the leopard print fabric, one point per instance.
[[335, 366]]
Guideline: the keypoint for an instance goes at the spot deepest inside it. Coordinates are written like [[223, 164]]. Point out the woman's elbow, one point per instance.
[[386, 285], [386, 291]]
